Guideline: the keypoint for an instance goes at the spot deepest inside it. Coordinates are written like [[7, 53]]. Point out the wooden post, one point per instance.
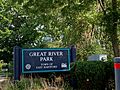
[[17, 62]]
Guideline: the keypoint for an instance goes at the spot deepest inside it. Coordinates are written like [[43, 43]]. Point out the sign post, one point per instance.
[[117, 72], [73, 53], [17, 61]]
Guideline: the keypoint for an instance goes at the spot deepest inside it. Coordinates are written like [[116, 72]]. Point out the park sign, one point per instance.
[[45, 60], [42, 60]]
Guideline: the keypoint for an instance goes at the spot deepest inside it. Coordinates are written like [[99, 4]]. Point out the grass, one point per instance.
[[35, 84]]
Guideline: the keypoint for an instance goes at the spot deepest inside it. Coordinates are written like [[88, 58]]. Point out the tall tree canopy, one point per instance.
[[91, 25]]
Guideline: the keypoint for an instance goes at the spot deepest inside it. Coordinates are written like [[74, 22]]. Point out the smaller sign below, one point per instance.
[[45, 60]]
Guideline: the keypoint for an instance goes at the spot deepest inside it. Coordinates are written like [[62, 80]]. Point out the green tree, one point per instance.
[[15, 29], [90, 25], [110, 21]]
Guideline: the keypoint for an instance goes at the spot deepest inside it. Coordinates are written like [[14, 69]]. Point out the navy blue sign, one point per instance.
[[45, 60]]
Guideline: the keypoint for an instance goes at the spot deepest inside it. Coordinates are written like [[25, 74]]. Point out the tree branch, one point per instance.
[[102, 6]]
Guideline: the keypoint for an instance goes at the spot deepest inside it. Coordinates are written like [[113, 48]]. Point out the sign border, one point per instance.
[[37, 71]]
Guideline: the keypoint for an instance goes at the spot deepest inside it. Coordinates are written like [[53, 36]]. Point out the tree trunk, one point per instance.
[[113, 32]]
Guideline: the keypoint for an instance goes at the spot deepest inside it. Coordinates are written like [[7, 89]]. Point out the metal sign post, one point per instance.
[[117, 72]]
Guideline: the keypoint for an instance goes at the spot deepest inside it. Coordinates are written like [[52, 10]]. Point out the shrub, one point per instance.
[[93, 75]]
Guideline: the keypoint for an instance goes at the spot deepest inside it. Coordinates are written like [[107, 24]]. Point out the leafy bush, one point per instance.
[[93, 75]]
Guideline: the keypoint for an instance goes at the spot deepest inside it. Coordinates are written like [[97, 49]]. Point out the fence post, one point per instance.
[[117, 72]]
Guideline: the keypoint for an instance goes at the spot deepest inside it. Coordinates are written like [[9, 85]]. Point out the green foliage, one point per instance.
[[90, 49], [15, 29], [93, 75], [1, 64], [24, 84], [57, 23]]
